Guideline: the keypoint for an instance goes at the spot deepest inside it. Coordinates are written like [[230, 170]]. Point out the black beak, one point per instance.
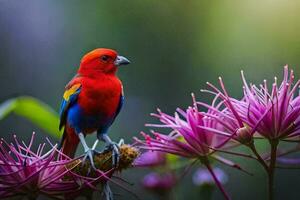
[[121, 60]]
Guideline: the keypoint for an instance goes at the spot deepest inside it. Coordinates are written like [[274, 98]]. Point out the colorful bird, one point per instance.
[[91, 102]]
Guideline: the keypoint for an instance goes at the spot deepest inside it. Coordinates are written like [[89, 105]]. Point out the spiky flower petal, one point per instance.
[[276, 109], [194, 135]]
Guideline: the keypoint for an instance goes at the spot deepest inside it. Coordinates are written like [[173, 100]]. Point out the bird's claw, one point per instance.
[[121, 142], [115, 148], [89, 153]]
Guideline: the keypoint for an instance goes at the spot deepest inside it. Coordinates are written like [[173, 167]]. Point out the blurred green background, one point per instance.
[[175, 47]]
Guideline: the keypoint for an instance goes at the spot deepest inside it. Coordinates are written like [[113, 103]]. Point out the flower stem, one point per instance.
[[259, 158], [218, 183], [269, 169], [274, 144]]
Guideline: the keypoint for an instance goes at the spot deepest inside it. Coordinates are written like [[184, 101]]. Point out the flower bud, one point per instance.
[[243, 135]]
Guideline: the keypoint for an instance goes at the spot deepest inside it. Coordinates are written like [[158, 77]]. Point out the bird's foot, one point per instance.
[[115, 148], [89, 154]]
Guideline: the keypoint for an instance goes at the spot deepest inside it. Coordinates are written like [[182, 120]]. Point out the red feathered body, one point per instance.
[[97, 97]]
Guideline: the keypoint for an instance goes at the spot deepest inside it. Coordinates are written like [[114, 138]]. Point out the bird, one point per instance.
[[91, 102]]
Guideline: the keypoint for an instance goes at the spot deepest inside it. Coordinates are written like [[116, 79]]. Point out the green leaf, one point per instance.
[[33, 110]]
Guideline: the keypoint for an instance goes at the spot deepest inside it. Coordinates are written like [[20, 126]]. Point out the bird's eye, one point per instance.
[[104, 58]]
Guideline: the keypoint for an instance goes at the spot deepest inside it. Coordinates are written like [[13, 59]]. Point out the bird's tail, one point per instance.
[[69, 142]]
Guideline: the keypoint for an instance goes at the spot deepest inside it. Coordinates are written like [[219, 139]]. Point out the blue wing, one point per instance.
[[69, 98]]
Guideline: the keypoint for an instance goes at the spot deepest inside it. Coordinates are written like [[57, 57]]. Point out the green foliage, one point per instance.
[[33, 110]]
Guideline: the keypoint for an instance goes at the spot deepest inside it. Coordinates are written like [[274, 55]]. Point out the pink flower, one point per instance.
[[276, 109], [274, 114], [24, 172], [194, 135]]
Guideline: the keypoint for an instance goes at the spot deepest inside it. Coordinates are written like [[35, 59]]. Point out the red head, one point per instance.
[[101, 61]]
